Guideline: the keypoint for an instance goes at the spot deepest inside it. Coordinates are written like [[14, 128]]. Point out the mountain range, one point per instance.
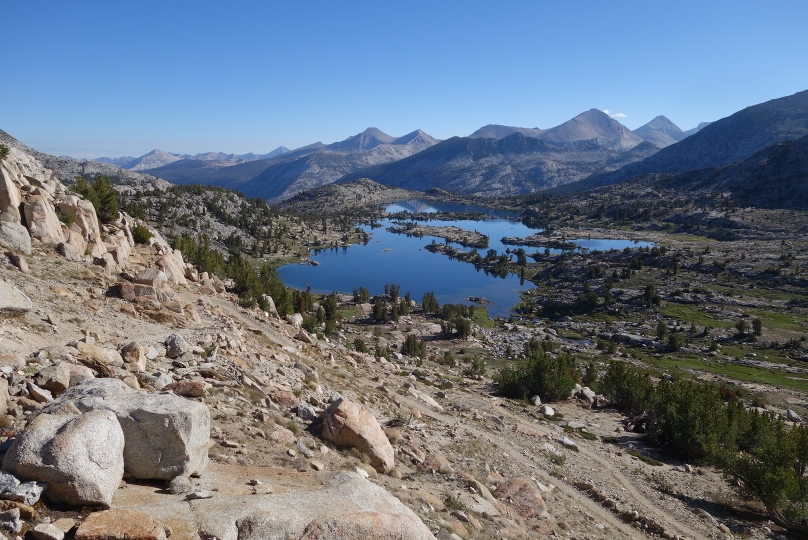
[[590, 150], [159, 158], [516, 163], [723, 142], [278, 178]]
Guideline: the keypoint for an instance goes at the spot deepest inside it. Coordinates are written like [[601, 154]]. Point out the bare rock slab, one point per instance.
[[349, 508], [120, 524], [79, 456], [165, 435]]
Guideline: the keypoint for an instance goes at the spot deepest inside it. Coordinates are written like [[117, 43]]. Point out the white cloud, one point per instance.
[[607, 111], [619, 115]]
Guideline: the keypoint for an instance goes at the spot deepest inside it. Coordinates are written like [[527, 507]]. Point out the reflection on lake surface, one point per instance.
[[396, 258]]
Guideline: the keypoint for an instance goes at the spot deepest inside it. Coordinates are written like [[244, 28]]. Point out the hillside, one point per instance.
[[723, 142], [67, 169], [305, 168], [512, 165]]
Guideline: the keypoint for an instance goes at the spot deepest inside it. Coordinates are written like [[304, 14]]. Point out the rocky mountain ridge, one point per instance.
[[513, 165], [67, 169], [305, 168], [723, 142], [158, 158]]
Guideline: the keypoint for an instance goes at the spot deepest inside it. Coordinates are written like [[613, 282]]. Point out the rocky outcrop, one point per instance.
[[349, 508], [166, 435], [41, 220], [346, 423], [79, 456]]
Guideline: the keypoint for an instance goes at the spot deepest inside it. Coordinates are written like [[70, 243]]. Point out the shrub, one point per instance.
[[141, 234], [3, 152], [550, 378], [102, 194]]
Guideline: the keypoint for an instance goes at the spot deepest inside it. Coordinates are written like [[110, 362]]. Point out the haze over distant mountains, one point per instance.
[[159, 158], [590, 150]]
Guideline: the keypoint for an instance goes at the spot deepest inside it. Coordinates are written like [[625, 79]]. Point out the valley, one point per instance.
[[439, 345]]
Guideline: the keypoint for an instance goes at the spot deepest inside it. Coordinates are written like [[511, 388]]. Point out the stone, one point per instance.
[[307, 412], [69, 252], [134, 354], [535, 400], [80, 457], [94, 352], [587, 395], [26, 511], [200, 494], [792, 416], [12, 300], [54, 378], [295, 319], [546, 410], [8, 481], [46, 531], [165, 435], [120, 524], [151, 276], [64, 524], [283, 436], [10, 520], [346, 423], [284, 398], [27, 493], [15, 236], [180, 485], [437, 463], [40, 217], [188, 388], [349, 507], [40, 395], [523, 495], [176, 346]]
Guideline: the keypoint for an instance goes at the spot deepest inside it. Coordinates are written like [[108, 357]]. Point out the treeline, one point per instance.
[[694, 421], [250, 283]]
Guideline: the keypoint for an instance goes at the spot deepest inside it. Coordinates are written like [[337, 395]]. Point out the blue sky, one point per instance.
[[95, 78]]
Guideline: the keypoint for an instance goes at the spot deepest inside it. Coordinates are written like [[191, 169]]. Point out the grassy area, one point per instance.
[[690, 314], [481, 317], [684, 364], [780, 321]]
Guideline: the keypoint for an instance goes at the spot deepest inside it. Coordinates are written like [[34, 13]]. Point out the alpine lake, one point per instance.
[[397, 258]]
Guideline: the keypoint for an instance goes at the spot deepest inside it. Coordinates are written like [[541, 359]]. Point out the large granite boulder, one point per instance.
[[41, 220], [12, 300], [349, 508], [346, 423], [166, 435], [15, 236], [79, 456]]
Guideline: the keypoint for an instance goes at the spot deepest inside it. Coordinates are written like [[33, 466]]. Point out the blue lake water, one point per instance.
[[396, 258]]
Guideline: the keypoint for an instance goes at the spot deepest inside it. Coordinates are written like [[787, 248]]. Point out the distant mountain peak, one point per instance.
[[497, 131], [661, 132], [593, 124]]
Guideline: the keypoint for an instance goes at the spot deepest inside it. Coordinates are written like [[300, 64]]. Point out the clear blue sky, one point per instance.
[[110, 78]]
